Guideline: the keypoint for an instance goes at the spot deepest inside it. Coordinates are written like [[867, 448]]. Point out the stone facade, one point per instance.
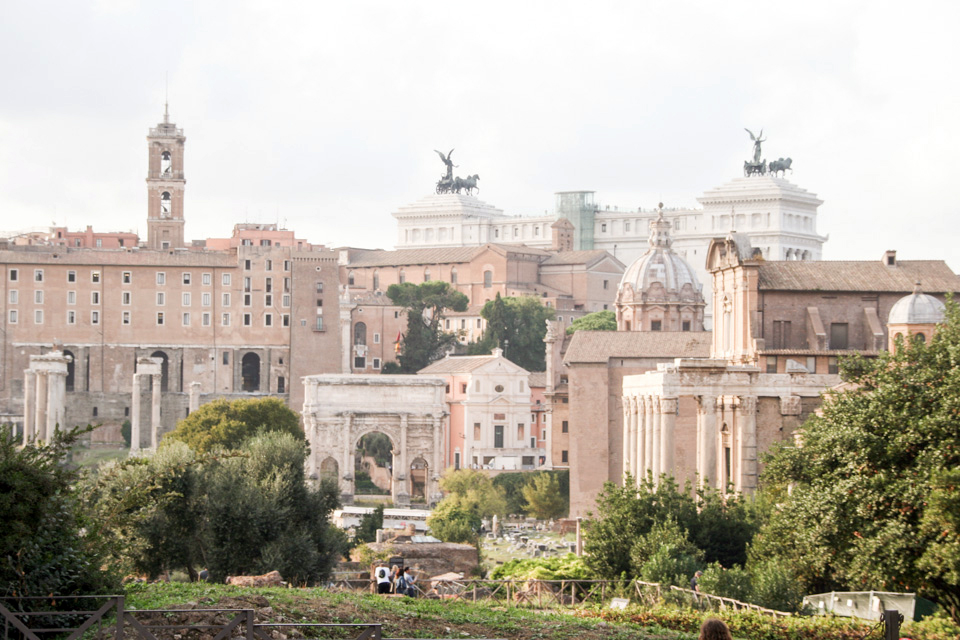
[[338, 410]]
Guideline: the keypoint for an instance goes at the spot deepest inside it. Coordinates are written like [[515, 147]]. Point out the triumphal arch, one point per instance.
[[338, 410]]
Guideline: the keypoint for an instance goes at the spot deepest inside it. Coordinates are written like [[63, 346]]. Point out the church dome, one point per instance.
[[660, 272], [917, 308]]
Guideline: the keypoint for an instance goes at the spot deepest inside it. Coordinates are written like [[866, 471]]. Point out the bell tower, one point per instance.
[[165, 185]]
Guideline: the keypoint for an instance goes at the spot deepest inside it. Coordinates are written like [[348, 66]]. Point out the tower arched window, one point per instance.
[[426, 275], [165, 203], [487, 279], [350, 278], [166, 165], [376, 280], [403, 276], [360, 333], [453, 275]]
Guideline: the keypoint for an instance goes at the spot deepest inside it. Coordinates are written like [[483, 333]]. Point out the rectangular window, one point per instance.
[[125, 317], [319, 302], [71, 276], [161, 277], [225, 320], [268, 266], [359, 362], [94, 297], [268, 320], [225, 279], [286, 319], [38, 275], [268, 284], [247, 284], [94, 317], [498, 436], [186, 298], [319, 325], [376, 363], [564, 457], [247, 299], [476, 430], [247, 265], [520, 432], [247, 319], [160, 317], [71, 317], [268, 300], [94, 276], [205, 299], [14, 275], [781, 334], [286, 265], [565, 427], [833, 365], [186, 277], [15, 296], [286, 300], [205, 319], [839, 335], [126, 277], [286, 285], [38, 296], [319, 287], [125, 297], [376, 338], [226, 357], [38, 316], [225, 302], [161, 299], [771, 364], [186, 319], [13, 316], [811, 364], [606, 284], [206, 278]]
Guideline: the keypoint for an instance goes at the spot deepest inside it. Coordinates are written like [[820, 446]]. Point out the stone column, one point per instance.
[[155, 412], [626, 465], [347, 484], [402, 491], [434, 494], [195, 396], [668, 419], [747, 428], [135, 414], [41, 405], [29, 405], [648, 435], [56, 399], [640, 409], [657, 438], [721, 481], [707, 440]]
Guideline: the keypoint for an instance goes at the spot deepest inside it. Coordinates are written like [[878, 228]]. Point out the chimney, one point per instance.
[[890, 258]]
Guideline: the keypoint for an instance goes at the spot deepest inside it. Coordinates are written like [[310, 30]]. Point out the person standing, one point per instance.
[[383, 579]]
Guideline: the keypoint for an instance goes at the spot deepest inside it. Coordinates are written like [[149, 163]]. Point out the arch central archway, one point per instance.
[[339, 410]]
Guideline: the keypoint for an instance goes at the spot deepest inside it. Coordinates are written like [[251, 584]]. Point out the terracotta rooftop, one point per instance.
[[577, 257], [868, 275], [456, 364], [538, 379], [439, 255], [600, 346]]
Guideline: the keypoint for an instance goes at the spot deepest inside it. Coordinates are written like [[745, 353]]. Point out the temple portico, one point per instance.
[[44, 395], [701, 418]]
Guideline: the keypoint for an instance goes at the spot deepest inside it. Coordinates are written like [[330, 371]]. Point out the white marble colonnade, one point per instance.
[[151, 369], [44, 396], [649, 424]]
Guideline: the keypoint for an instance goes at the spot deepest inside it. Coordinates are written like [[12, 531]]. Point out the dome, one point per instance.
[[917, 308], [660, 264]]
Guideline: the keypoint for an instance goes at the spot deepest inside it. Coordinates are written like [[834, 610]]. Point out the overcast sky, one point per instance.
[[324, 115]]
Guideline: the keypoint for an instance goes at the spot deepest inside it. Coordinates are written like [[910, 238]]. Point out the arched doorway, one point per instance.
[[71, 362], [164, 368], [419, 471], [373, 464], [330, 470], [250, 372]]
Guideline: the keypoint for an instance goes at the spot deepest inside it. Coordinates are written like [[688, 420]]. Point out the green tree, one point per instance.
[[873, 503], [543, 497], [456, 519], [425, 305], [476, 489], [228, 423], [518, 326], [46, 546], [597, 321], [369, 523], [733, 583], [666, 555]]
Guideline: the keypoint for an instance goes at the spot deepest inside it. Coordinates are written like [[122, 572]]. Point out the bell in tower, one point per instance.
[[165, 185]]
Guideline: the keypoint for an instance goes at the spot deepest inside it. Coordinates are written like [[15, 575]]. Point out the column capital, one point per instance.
[[747, 403], [707, 402], [668, 405]]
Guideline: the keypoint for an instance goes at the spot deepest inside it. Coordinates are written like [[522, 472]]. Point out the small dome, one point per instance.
[[917, 308], [660, 264]]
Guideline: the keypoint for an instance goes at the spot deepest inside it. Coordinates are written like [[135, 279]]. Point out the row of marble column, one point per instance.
[[649, 438], [44, 402]]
